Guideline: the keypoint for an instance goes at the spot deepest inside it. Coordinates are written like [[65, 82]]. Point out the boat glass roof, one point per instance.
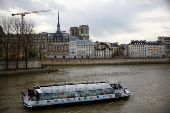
[[59, 89], [104, 85], [47, 89], [73, 88], [94, 86], [83, 87]]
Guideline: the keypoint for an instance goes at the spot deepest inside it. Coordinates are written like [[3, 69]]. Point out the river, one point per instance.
[[149, 83]]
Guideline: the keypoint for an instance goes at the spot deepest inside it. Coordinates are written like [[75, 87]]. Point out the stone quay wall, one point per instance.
[[97, 61], [21, 64]]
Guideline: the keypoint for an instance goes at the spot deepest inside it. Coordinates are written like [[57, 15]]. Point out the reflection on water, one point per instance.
[[149, 83]]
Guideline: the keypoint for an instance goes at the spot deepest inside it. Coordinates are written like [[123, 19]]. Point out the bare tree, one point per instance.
[[27, 38], [17, 28], [5, 23], [118, 54], [14, 39]]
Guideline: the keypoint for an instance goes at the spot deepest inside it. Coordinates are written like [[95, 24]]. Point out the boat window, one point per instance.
[[63, 95], [109, 91], [105, 91], [72, 95], [81, 94], [46, 96], [86, 93], [99, 92], [92, 93], [55, 96]]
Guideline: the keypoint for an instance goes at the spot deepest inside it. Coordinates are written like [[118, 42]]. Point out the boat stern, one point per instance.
[[27, 102]]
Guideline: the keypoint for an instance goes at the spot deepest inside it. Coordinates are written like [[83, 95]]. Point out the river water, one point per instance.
[[149, 83]]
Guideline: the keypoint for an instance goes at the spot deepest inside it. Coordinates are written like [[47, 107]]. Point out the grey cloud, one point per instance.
[[115, 16], [29, 5], [166, 27]]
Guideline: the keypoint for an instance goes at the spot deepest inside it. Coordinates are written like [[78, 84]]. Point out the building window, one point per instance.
[[73, 32], [82, 31], [48, 49], [0, 41]]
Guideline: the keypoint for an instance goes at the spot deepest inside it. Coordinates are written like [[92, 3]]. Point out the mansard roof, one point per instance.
[[138, 42], [113, 45], [154, 43]]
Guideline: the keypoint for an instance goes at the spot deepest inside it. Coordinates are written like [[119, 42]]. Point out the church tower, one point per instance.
[[58, 25]]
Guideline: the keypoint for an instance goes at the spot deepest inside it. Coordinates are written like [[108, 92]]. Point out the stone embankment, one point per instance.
[[25, 72], [111, 61], [21, 64]]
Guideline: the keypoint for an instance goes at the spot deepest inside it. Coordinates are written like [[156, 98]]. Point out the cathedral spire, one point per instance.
[[58, 24]]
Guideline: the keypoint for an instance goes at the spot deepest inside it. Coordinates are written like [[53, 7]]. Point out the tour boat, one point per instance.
[[73, 93]]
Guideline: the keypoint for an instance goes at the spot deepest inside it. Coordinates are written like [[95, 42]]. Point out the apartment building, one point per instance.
[[155, 49], [73, 47], [85, 49], [136, 49], [166, 41]]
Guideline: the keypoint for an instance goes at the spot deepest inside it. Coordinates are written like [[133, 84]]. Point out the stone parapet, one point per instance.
[[109, 61], [21, 64]]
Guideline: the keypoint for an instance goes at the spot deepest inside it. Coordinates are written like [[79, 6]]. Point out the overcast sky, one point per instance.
[[109, 20]]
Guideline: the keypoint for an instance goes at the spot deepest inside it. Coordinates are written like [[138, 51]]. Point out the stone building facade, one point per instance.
[[81, 48], [166, 41], [58, 43], [103, 50], [136, 49], [143, 48], [104, 53], [101, 45], [40, 44], [82, 32], [85, 49], [73, 46], [114, 46], [155, 49]]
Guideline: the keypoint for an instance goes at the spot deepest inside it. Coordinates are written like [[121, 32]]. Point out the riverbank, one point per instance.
[[6, 73], [102, 61]]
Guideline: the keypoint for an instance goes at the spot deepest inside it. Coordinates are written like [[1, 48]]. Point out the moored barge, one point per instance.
[[73, 93]]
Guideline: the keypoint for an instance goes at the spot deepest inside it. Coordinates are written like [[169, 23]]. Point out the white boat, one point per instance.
[[73, 93]]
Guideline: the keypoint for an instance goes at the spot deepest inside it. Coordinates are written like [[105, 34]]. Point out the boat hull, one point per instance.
[[73, 101]]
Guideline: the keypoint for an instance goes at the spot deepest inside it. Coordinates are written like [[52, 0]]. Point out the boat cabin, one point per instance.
[[72, 91]]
